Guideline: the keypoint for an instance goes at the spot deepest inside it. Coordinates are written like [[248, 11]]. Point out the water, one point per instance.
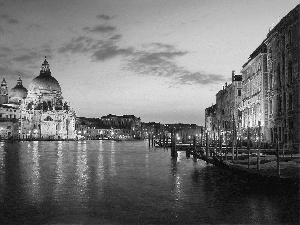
[[108, 182]]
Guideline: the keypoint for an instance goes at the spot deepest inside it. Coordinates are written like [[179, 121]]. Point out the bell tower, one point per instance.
[[3, 92]]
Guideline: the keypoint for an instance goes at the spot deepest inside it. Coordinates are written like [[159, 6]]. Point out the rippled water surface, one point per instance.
[[107, 182]]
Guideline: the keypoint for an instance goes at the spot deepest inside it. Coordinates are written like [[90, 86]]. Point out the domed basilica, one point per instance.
[[39, 113]]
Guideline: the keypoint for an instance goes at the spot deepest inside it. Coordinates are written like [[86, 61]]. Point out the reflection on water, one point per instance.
[[108, 182], [176, 190], [112, 159], [31, 175], [2, 172], [82, 171], [60, 178], [100, 171]]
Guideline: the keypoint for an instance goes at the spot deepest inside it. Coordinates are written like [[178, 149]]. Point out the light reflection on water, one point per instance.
[[126, 182], [2, 172], [31, 173], [82, 172], [112, 159], [60, 178]]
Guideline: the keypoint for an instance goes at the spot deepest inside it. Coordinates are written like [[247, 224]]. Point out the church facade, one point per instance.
[[40, 113]]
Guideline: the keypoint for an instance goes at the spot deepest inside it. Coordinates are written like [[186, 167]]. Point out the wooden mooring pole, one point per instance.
[[152, 140], [149, 139], [233, 138], [277, 155], [206, 142], [248, 145], [226, 147], [258, 150], [173, 145]]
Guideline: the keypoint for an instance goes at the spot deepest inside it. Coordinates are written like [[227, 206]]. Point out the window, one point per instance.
[[279, 104], [290, 72], [289, 37], [290, 102], [278, 76], [239, 92]]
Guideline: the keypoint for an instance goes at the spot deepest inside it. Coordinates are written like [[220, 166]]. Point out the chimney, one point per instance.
[[233, 73]]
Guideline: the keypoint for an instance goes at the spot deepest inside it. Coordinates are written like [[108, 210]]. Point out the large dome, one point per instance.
[[44, 81]]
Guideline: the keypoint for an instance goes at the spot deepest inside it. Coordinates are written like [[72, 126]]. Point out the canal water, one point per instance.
[[108, 182]]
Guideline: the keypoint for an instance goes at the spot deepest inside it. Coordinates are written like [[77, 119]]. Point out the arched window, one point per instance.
[[48, 118], [291, 101], [290, 72], [278, 76]]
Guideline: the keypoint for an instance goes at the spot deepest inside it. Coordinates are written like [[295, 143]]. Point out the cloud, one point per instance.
[[116, 37], [4, 52], [163, 46], [100, 29], [104, 17], [161, 62], [200, 78], [34, 26], [27, 57], [156, 63], [81, 44], [99, 50], [110, 50], [14, 73], [7, 19], [32, 57]]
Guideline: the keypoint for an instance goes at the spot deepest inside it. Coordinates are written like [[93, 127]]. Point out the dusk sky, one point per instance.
[[161, 60]]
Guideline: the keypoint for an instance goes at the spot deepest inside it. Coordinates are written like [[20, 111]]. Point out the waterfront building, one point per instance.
[[125, 122], [283, 83], [254, 106], [153, 128], [10, 112], [40, 113], [185, 133], [227, 101], [211, 122], [109, 127]]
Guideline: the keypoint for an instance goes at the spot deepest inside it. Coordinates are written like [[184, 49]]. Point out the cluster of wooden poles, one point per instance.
[[215, 151]]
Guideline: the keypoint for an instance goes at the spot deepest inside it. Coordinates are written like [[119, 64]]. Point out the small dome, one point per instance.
[[44, 81], [18, 93]]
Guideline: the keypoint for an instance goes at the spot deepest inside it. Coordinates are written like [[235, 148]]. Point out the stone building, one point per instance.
[[3, 92], [211, 122], [227, 101], [124, 122], [283, 80], [153, 128], [254, 104], [40, 113]]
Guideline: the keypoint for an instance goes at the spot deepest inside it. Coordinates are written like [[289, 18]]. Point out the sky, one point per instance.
[[160, 60]]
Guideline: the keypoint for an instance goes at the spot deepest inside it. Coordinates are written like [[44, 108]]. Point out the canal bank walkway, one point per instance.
[[272, 172], [289, 167]]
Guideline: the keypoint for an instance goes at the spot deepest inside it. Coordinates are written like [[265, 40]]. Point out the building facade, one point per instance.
[[227, 101], [41, 113], [124, 122], [283, 77], [211, 122], [254, 106]]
